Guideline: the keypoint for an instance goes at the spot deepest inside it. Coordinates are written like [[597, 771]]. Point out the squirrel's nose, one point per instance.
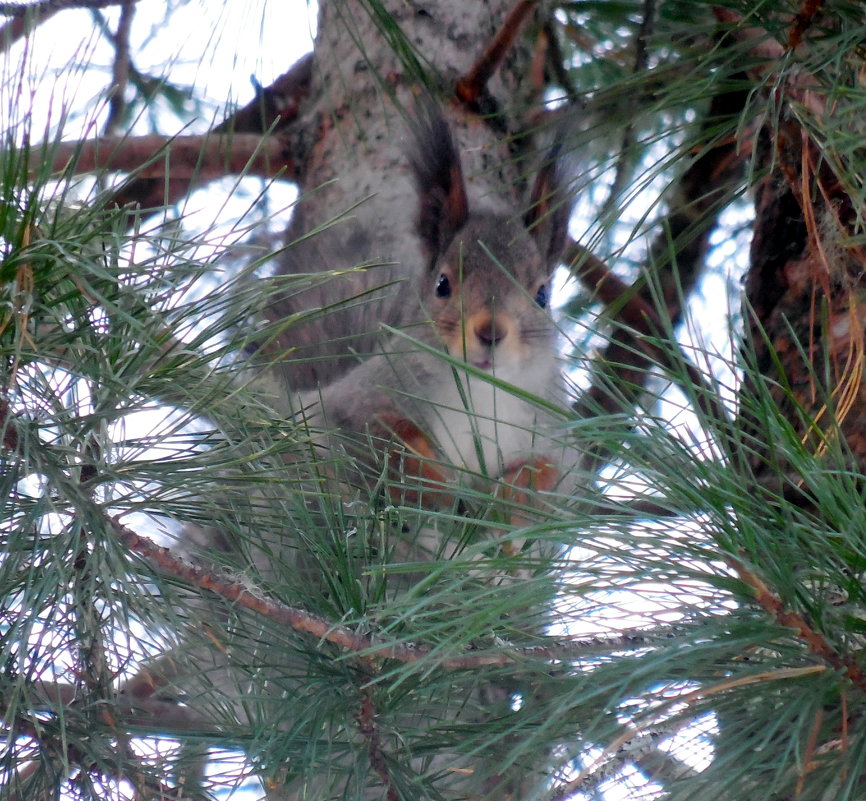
[[488, 333]]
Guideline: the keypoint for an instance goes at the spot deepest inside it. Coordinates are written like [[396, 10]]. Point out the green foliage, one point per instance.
[[690, 626]]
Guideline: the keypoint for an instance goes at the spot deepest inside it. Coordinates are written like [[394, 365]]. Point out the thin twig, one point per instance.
[[120, 70], [53, 6]]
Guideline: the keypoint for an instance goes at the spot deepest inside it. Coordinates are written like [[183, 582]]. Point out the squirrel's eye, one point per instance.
[[541, 297], [443, 287]]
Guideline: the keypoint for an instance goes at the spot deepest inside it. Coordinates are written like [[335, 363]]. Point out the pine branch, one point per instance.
[[245, 595], [719, 167], [634, 312], [644, 732], [366, 718], [817, 643], [134, 709]]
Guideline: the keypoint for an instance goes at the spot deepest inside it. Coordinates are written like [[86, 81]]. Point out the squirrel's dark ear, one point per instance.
[[443, 207], [550, 208]]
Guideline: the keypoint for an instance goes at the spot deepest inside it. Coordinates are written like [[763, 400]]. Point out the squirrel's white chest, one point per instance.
[[483, 427]]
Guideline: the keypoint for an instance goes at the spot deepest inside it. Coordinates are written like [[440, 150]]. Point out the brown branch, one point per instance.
[[370, 645], [370, 731], [204, 157], [152, 713], [819, 646], [469, 87], [273, 109], [120, 69], [53, 6]]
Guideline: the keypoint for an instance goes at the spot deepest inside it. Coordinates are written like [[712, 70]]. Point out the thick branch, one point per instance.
[[274, 106], [272, 109], [202, 158]]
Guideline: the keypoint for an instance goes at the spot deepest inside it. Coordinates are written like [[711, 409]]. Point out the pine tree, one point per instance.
[[196, 596]]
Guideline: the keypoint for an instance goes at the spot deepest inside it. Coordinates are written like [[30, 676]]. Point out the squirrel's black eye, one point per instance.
[[541, 296], [443, 287]]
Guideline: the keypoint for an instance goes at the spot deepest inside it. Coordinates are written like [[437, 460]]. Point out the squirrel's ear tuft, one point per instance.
[[550, 207], [443, 207]]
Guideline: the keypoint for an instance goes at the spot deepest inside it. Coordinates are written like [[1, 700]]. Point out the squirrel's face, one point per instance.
[[489, 297]]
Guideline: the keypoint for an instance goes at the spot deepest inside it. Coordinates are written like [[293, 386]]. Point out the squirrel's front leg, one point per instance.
[[521, 481], [418, 476]]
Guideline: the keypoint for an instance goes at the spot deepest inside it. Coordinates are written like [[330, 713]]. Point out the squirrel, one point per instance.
[[453, 394]]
